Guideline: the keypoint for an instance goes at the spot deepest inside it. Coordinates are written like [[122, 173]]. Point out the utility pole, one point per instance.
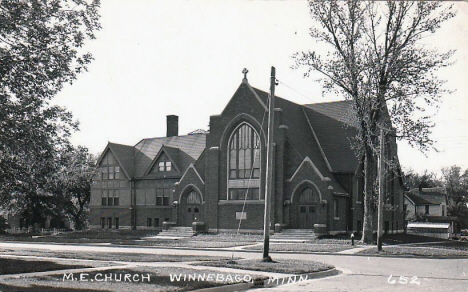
[[381, 190], [269, 169]]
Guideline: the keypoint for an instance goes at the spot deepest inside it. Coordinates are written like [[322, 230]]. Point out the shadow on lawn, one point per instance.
[[41, 288], [15, 266]]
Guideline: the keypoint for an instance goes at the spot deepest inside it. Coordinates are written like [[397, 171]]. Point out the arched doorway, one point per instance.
[[193, 209], [307, 209]]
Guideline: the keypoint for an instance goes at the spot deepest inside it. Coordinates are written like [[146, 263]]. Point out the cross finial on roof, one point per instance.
[[245, 71]]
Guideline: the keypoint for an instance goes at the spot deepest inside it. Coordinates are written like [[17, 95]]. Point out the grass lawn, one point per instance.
[[159, 280], [85, 236], [312, 247], [186, 243], [16, 266], [416, 251], [281, 266], [127, 257], [133, 237]]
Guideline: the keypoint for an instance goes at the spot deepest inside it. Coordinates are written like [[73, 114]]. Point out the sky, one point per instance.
[[158, 58]]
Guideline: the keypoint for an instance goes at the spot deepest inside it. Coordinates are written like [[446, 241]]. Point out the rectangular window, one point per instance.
[[104, 196], [117, 172], [244, 194], [116, 197], [103, 222], [109, 223], [156, 222], [232, 194], [104, 172], [159, 197], [426, 211], [443, 210], [335, 209], [148, 222], [111, 172], [116, 223], [110, 199], [161, 166], [168, 166], [167, 194]]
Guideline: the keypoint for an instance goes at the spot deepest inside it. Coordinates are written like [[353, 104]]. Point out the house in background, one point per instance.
[[426, 201], [429, 207], [217, 178]]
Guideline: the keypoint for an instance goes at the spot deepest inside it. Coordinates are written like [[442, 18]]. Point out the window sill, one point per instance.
[[336, 218], [241, 202], [358, 202]]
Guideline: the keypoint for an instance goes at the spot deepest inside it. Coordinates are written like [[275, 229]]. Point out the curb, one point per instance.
[[300, 278], [266, 283], [245, 250]]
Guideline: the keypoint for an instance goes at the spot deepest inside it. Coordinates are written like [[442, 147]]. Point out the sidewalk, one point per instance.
[[355, 250]]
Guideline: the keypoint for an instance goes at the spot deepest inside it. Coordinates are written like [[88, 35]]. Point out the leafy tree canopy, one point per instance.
[[40, 45], [377, 59]]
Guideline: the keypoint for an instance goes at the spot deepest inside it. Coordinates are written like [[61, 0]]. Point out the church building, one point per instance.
[[217, 178]]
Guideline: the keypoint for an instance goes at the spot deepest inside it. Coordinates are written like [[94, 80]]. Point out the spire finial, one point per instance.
[[245, 71]]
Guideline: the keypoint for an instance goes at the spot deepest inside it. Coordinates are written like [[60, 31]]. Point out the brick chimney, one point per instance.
[[172, 126]]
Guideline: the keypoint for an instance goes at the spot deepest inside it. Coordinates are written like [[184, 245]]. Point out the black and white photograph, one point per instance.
[[242, 145]]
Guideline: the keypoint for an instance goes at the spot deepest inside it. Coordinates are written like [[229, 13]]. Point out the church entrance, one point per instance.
[[193, 209], [307, 213]]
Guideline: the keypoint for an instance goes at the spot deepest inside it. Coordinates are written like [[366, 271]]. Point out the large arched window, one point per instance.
[[308, 197], [244, 164], [193, 198], [244, 153]]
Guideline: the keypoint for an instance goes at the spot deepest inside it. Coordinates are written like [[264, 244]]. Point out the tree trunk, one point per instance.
[[369, 169]]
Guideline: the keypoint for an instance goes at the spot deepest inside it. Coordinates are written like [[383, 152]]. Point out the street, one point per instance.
[[358, 273]]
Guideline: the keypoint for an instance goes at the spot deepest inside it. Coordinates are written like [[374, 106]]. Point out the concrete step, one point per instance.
[[176, 232], [294, 235]]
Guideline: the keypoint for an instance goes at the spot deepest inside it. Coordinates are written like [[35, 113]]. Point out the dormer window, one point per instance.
[[164, 166]]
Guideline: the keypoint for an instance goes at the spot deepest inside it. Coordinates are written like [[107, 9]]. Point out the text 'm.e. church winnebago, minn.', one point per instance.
[[217, 178]]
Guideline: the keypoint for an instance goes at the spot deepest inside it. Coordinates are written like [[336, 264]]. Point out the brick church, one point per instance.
[[217, 178]]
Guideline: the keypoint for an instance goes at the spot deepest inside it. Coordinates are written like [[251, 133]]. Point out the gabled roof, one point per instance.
[[331, 125], [124, 154], [171, 152], [417, 200], [190, 148], [435, 196]]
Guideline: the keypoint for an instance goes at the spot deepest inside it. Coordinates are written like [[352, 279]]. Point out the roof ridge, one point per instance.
[[113, 143]]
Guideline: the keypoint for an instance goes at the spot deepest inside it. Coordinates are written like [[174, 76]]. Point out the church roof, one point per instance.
[[190, 148], [331, 123], [135, 160], [124, 155], [301, 140]]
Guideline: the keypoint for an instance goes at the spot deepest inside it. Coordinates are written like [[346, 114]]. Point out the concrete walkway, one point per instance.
[[355, 250]]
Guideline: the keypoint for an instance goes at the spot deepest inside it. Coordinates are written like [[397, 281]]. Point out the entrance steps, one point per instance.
[[175, 232], [294, 235]]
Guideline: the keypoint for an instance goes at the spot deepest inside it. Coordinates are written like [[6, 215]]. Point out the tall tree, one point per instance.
[[72, 184], [378, 60], [39, 52], [414, 180], [456, 185]]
